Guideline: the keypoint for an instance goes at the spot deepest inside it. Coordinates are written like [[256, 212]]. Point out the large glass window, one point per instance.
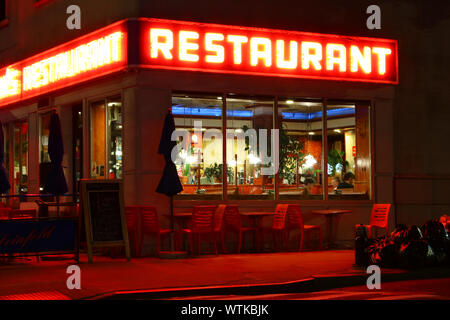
[[198, 120], [301, 151], [21, 157], [106, 139], [44, 159], [302, 148], [349, 160], [249, 148]]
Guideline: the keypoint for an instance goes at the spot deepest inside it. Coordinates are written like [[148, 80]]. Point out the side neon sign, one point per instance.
[[241, 50], [99, 53]]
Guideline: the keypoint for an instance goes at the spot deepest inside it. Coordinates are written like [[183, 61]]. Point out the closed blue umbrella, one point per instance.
[[56, 181], [169, 184], [4, 183]]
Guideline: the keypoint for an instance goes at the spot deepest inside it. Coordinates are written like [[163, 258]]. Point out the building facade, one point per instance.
[[388, 130]]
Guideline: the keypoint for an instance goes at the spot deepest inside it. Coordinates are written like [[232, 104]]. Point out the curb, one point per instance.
[[312, 284]]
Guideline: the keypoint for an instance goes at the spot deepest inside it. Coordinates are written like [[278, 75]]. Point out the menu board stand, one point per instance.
[[104, 217]]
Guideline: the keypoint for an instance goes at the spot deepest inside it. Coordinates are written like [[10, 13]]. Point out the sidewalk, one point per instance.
[[294, 271]]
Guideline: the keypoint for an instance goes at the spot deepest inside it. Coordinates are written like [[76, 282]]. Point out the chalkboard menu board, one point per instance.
[[102, 202]]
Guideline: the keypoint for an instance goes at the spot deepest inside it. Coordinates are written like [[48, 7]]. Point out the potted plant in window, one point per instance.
[[214, 173], [335, 158], [290, 156]]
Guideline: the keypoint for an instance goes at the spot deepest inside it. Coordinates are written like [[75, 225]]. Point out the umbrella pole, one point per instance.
[[57, 205], [171, 226]]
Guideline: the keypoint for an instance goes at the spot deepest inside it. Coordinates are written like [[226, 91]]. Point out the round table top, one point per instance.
[[330, 211]]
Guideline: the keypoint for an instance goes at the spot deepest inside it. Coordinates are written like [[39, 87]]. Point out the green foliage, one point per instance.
[[215, 171], [290, 150], [336, 157]]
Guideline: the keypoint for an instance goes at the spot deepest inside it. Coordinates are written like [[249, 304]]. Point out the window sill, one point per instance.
[[4, 23]]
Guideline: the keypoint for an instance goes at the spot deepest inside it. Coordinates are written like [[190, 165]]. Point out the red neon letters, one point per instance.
[[217, 48], [178, 45], [101, 52]]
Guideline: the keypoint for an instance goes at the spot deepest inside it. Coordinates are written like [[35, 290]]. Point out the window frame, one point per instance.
[[90, 102], [5, 21], [276, 123]]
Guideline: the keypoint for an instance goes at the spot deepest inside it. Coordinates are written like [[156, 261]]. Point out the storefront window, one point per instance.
[[21, 157], [349, 160], [250, 148], [44, 161], [198, 120], [106, 139], [249, 129], [300, 172]]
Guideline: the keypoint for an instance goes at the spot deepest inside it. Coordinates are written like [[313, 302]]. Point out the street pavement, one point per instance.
[[430, 289], [206, 275]]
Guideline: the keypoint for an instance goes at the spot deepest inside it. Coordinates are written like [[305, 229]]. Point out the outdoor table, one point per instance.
[[180, 218], [257, 216], [331, 229]]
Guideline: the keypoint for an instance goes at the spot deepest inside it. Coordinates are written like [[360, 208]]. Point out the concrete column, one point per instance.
[[384, 155], [144, 111]]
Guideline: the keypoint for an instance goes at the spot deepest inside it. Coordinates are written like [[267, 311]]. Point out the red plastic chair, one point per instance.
[[132, 214], [233, 223], [379, 218], [218, 224], [278, 226], [202, 222], [295, 222], [150, 226]]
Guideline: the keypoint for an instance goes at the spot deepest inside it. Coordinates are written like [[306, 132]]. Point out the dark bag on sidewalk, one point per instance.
[[361, 246]]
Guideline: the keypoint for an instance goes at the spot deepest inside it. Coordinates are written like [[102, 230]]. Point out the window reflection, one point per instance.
[[247, 118], [300, 149], [198, 119], [21, 157], [106, 139], [348, 151]]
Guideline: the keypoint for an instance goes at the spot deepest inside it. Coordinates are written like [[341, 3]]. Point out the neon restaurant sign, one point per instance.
[[176, 45]]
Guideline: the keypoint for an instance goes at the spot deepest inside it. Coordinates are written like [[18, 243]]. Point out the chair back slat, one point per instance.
[[232, 217], [279, 219], [203, 219], [150, 219], [218, 217], [380, 215], [294, 217], [131, 215]]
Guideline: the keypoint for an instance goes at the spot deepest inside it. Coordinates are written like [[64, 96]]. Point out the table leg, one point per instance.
[[329, 231], [333, 229]]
